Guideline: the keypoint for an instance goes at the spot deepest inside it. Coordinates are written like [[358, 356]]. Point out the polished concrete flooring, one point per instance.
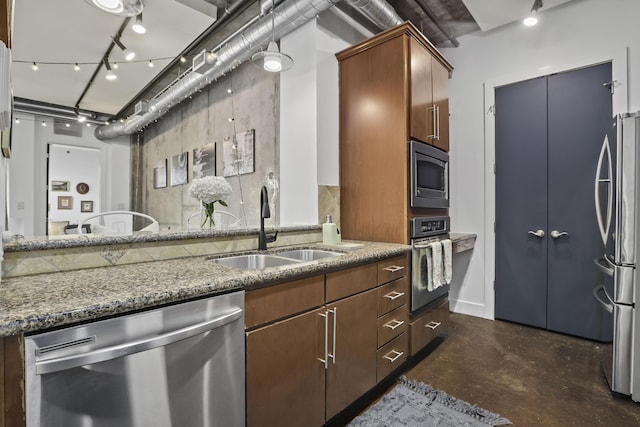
[[530, 376]]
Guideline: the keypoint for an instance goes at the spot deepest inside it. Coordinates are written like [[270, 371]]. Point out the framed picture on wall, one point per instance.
[[65, 202], [60, 186], [238, 154], [86, 206], [179, 169], [204, 161], [160, 174]]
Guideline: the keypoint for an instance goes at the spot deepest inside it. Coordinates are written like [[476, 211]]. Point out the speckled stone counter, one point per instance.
[[38, 302]]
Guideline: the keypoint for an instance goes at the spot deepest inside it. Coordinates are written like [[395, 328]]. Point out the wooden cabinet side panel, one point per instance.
[[373, 144], [341, 284], [12, 413], [354, 371], [440, 79], [285, 379], [278, 301]]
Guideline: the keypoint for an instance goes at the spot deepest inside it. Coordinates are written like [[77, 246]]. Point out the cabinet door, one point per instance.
[[440, 90], [421, 121], [285, 378], [353, 371]]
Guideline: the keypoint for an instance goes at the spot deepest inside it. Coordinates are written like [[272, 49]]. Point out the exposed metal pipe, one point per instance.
[[288, 16], [379, 12], [436, 20]]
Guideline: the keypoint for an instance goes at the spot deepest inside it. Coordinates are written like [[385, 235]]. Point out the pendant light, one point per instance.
[[272, 59]]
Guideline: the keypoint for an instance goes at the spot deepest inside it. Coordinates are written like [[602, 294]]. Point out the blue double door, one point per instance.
[[549, 132]]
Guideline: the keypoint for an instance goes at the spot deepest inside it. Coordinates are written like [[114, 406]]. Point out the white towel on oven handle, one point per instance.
[[427, 267], [446, 260], [436, 264]]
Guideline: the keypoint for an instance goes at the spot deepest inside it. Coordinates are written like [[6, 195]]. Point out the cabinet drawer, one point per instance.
[[393, 268], [391, 356], [428, 326], [344, 283], [393, 324], [278, 301], [393, 295]]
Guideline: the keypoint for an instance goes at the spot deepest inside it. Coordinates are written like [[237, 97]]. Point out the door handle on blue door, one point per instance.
[[555, 234], [537, 233]]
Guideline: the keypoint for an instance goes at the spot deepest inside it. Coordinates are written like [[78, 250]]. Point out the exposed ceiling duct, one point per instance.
[[288, 16]]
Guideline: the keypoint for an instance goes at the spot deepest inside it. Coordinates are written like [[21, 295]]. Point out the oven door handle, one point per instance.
[[128, 348]]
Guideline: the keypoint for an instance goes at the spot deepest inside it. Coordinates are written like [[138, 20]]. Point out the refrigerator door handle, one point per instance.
[[607, 269], [604, 225], [607, 305]]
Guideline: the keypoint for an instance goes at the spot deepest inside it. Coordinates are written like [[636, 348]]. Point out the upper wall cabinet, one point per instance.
[[429, 89]]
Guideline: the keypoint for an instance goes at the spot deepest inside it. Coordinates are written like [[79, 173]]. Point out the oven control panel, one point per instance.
[[429, 226]]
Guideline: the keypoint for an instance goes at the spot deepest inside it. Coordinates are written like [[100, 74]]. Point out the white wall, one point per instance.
[[578, 33], [309, 121], [28, 176]]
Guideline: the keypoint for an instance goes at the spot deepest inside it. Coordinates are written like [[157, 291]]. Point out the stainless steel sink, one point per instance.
[[308, 254], [254, 261]]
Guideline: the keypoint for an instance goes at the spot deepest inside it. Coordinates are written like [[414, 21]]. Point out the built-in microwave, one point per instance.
[[429, 176]]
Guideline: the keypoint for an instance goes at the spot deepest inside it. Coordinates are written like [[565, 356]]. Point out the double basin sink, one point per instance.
[[265, 260]]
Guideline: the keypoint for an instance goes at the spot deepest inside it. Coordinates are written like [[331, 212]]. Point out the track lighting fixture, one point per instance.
[[532, 18], [110, 74], [138, 26], [34, 67], [76, 67], [128, 53]]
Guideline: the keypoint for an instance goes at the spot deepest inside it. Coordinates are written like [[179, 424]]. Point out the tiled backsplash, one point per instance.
[[328, 203], [65, 259]]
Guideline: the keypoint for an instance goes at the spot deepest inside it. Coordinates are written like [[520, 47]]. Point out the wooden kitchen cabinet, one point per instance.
[[429, 88], [393, 315], [428, 326], [12, 381], [285, 378], [288, 383], [353, 372], [392, 86]]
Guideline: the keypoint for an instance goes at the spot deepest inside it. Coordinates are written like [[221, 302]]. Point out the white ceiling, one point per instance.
[[490, 14], [71, 31]]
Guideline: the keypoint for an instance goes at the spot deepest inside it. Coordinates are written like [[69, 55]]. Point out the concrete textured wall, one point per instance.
[[203, 119]]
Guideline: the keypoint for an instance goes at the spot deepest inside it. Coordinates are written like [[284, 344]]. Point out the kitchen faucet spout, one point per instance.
[[265, 212]]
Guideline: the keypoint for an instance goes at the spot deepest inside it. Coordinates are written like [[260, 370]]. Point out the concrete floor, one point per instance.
[[530, 376]]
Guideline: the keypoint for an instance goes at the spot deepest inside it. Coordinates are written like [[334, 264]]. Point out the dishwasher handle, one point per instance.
[[126, 349]]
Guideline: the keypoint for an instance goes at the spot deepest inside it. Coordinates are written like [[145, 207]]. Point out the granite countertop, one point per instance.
[[39, 302]]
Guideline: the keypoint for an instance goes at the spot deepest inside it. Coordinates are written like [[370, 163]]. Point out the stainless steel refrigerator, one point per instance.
[[616, 200]]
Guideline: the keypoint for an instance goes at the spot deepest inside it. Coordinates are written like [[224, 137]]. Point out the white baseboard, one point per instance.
[[469, 308]]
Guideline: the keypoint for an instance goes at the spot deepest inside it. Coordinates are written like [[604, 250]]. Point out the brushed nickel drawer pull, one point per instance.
[[326, 340], [393, 324], [335, 320], [394, 295], [394, 268], [395, 356], [432, 325]]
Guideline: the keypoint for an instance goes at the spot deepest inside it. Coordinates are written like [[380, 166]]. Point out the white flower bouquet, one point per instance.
[[209, 190]]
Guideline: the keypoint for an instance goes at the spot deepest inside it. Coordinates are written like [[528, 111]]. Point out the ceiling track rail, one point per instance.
[[101, 64]]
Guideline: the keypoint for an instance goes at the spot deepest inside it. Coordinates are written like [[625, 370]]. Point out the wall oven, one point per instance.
[[424, 232], [429, 176]]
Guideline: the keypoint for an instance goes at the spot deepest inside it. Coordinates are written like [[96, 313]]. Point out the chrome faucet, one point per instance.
[[265, 212]]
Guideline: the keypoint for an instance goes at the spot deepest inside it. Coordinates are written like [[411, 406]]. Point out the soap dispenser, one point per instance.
[[330, 233]]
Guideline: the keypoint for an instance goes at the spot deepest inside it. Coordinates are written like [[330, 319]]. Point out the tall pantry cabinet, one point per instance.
[[393, 87]]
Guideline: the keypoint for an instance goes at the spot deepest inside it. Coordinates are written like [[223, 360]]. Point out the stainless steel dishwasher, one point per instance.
[[178, 366]]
